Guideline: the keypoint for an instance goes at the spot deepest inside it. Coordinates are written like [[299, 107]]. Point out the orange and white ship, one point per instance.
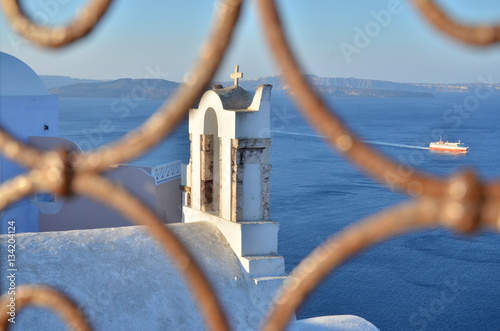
[[449, 147]]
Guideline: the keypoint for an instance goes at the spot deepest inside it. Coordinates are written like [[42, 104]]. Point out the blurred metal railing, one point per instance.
[[460, 202], [166, 171]]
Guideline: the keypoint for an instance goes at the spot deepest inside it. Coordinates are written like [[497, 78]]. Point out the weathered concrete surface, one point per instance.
[[122, 280]]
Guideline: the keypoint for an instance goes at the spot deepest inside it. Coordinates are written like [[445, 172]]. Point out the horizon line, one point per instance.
[[270, 76]]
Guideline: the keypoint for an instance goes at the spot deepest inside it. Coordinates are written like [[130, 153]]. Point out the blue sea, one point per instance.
[[430, 280]]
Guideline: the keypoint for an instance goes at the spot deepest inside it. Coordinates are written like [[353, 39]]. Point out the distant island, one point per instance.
[[52, 81], [337, 87], [119, 88]]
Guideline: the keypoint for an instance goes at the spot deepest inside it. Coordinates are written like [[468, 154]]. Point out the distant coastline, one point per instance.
[[338, 87]]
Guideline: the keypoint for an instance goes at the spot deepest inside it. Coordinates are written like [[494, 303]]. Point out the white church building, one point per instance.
[[117, 274], [31, 114], [26, 110]]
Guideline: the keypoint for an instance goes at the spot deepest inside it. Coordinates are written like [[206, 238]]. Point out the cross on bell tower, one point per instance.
[[236, 75]]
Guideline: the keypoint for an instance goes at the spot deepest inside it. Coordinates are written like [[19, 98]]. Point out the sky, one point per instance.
[[139, 39]]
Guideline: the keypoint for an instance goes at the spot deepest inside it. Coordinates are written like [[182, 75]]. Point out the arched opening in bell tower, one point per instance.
[[210, 163]]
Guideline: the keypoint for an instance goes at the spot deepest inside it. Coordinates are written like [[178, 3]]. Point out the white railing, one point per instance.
[[166, 171]]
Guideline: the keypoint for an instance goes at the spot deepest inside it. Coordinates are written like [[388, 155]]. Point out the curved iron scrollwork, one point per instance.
[[460, 202], [479, 35], [58, 36]]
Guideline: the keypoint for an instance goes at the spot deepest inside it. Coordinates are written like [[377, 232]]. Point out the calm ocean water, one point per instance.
[[431, 280]]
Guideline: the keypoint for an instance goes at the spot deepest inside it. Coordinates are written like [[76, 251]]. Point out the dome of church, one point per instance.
[[18, 79]]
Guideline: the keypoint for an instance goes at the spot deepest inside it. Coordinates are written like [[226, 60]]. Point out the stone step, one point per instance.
[[264, 265]]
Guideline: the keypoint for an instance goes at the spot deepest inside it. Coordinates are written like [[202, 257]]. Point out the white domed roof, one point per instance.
[[17, 78]]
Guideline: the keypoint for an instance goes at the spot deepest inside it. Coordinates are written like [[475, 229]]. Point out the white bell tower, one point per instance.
[[227, 179]]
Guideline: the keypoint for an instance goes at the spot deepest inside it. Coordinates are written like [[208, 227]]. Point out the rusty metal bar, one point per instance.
[[55, 36], [416, 215], [57, 172], [118, 198], [45, 297], [15, 189], [460, 202], [456, 201], [490, 208], [52, 173], [158, 126], [17, 151], [328, 256], [324, 120], [478, 35]]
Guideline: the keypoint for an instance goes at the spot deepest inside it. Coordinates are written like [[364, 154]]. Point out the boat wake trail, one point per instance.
[[382, 143], [299, 134]]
